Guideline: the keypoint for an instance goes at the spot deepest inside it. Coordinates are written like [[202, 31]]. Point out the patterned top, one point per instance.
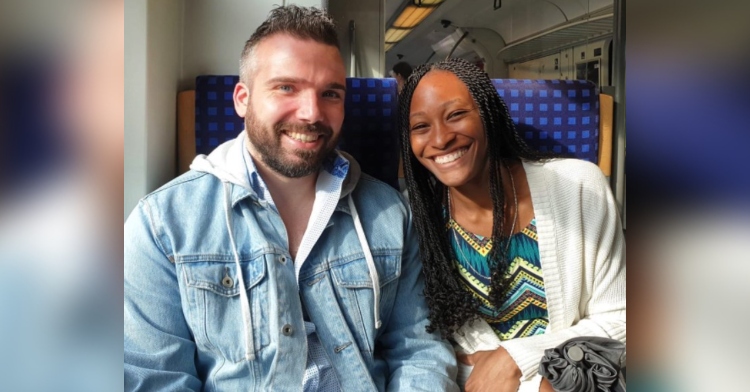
[[524, 310]]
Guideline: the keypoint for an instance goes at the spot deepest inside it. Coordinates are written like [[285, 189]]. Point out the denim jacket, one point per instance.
[[213, 301]]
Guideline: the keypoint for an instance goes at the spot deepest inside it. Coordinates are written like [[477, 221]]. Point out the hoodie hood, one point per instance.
[[227, 164]]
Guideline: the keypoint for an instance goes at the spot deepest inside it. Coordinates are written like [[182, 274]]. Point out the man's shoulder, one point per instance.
[[370, 187], [187, 182], [175, 204], [379, 201]]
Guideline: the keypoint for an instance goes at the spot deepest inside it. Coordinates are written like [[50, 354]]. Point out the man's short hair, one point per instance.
[[402, 68], [301, 22]]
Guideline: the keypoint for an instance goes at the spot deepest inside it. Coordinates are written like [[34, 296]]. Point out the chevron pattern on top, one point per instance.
[[524, 309]]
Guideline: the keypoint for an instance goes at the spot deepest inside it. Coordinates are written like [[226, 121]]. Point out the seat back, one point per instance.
[[555, 115], [215, 118], [369, 131], [562, 116]]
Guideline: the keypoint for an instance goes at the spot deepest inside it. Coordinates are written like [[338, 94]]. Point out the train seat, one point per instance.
[[564, 116], [568, 117], [206, 118]]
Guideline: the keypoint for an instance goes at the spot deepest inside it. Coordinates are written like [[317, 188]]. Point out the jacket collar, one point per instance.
[[227, 163]]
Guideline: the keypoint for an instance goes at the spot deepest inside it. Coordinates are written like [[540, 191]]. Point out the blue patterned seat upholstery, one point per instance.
[[215, 118], [369, 130], [555, 115], [551, 115]]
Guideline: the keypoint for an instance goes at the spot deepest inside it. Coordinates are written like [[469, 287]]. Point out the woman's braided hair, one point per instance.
[[451, 305]]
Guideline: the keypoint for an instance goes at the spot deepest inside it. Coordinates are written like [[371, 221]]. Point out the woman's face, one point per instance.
[[446, 131]]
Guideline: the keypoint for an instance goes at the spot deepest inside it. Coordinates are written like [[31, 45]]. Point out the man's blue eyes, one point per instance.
[[327, 94]]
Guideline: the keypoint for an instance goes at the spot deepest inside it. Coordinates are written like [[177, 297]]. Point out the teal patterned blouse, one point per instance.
[[524, 310]]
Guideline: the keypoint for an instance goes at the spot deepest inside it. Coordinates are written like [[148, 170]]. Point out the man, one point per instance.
[[274, 264]]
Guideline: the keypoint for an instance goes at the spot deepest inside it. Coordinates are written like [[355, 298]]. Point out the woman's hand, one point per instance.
[[493, 371]]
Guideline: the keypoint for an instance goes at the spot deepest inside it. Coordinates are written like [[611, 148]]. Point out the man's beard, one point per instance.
[[267, 142]]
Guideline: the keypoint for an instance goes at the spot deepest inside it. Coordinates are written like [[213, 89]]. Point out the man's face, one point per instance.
[[294, 104]]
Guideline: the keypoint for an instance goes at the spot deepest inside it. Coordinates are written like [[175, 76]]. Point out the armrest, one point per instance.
[[606, 115]]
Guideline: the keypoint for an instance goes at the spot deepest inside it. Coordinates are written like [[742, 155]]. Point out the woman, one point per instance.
[[472, 183]]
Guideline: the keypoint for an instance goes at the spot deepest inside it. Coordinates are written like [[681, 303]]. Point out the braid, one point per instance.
[[451, 305]]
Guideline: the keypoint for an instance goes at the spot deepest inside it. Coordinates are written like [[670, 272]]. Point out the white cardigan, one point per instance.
[[582, 252]]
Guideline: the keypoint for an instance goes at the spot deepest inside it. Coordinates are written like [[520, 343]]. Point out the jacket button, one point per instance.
[[282, 259], [287, 330], [227, 282]]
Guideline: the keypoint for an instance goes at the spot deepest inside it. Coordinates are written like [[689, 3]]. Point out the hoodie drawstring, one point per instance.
[[370, 261], [244, 301]]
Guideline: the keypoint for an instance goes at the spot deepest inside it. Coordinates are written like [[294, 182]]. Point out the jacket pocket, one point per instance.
[[356, 298], [356, 274], [214, 312]]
